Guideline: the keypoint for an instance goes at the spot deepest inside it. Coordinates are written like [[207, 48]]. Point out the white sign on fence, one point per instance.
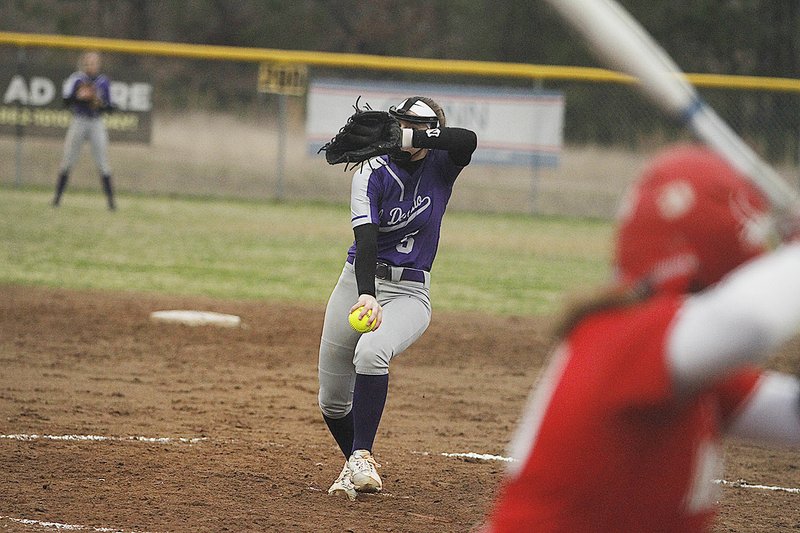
[[32, 105], [514, 126]]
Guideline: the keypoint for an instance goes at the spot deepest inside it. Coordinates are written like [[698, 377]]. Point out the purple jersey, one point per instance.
[[102, 86], [408, 208]]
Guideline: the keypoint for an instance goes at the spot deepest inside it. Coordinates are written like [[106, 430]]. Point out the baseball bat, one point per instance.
[[618, 39]]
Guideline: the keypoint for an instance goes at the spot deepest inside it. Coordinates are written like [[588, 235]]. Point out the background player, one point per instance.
[[397, 206], [623, 431], [87, 93]]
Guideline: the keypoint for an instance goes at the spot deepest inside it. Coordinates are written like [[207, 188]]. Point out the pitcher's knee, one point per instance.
[[334, 406], [371, 363]]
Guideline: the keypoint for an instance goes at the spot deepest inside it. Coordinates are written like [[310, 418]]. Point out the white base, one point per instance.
[[196, 318]]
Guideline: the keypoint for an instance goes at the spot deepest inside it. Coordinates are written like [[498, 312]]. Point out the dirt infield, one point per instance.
[[110, 421]]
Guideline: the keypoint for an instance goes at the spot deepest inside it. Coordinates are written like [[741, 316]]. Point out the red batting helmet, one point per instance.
[[688, 221]]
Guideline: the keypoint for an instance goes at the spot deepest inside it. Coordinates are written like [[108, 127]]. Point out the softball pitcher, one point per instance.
[[397, 204], [87, 93]]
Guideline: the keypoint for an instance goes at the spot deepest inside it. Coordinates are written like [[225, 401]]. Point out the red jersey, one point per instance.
[[606, 446]]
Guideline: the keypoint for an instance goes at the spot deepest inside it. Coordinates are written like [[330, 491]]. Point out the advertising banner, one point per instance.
[[514, 126], [31, 104]]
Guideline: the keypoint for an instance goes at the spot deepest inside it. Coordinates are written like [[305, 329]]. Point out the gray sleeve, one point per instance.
[[738, 321], [770, 415]]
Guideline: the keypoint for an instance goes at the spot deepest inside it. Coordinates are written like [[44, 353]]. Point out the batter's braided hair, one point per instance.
[[616, 296]]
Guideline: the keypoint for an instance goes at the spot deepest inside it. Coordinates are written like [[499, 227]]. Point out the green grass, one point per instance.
[[502, 264]]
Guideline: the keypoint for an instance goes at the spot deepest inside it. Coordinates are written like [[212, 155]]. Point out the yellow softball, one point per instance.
[[361, 325]]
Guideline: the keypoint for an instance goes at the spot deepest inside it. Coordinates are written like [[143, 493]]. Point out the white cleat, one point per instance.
[[344, 484], [364, 472]]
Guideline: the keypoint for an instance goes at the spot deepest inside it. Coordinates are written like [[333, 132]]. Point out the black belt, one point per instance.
[[384, 271]]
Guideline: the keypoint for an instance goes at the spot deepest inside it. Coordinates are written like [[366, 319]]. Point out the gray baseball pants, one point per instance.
[[343, 352], [80, 129]]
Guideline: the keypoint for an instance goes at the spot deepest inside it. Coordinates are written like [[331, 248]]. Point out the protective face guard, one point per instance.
[[433, 122], [405, 112]]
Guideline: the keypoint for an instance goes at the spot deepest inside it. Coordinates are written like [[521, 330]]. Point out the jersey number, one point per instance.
[[405, 246]]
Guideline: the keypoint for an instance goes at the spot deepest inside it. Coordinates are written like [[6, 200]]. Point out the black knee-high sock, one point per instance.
[[342, 431], [106, 179], [369, 399], [61, 184]]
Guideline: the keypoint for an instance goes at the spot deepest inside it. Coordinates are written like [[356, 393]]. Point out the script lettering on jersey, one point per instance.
[[400, 219]]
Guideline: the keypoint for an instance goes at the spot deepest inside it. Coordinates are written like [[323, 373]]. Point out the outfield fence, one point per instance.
[[218, 127]]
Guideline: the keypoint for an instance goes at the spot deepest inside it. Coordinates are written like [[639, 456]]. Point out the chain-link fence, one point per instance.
[[214, 134]]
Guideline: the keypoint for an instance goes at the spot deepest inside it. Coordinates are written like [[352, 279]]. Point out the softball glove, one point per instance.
[[367, 134]]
